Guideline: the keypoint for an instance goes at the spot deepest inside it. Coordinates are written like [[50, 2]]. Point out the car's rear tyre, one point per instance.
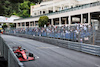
[[31, 55]]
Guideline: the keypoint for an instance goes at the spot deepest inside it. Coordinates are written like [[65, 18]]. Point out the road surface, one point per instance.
[[48, 55]]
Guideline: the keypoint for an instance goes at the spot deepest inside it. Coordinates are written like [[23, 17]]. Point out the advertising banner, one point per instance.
[[6, 20]]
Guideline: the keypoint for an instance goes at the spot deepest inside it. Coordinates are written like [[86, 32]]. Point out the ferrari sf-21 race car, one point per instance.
[[22, 54]]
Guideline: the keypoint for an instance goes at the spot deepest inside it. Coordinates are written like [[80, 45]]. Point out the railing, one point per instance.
[[82, 47], [87, 48], [76, 8], [70, 9], [9, 55], [66, 33]]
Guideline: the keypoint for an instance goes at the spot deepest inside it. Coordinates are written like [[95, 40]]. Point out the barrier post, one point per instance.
[[79, 37], [93, 33], [73, 34]]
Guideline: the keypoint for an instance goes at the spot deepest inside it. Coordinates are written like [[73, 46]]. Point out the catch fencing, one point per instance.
[[66, 33], [9, 55]]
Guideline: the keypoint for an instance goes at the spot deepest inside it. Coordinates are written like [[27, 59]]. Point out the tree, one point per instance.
[[36, 1], [24, 9], [4, 26], [16, 1], [43, 20], [21, 1], [5, 8], [12, 25], [16, 7], [1, 7]]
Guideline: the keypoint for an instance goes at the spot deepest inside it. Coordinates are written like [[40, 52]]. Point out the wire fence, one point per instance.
[[79, 33]]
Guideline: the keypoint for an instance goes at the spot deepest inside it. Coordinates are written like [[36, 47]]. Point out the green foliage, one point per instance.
[[16, 7], [16, 1], [24, 5], [21, 1], [1, 7], [24, 9], [35, 1], [14, 13], [4, 26], [32, 4], [6, 8], [12, 25], [43, 20]]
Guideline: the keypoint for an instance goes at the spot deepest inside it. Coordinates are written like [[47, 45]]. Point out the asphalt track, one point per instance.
[[48, 55]]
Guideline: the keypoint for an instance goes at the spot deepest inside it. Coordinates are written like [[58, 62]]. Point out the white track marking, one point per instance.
[[46, 47], [21, 40], [36, 57], [14, 43], [97, 65]]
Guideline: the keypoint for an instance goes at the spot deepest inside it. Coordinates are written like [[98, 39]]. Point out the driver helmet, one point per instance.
[[19, 47]]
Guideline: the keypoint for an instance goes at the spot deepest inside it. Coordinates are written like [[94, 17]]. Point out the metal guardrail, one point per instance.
[[82, 47], [9, 55], [87, 48]]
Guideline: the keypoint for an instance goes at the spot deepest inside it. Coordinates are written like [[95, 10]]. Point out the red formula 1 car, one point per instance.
[[22, 54]]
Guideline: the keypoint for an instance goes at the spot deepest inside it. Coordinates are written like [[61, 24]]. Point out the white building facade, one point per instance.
[[7, 20], [63, 12]]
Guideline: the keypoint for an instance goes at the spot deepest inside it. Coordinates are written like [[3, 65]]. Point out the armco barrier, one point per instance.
[[92, 49], [9, 55], [74, 46], [87, 48]]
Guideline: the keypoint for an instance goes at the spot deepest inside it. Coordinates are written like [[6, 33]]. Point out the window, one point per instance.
[[18, 24], [22, 24]]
